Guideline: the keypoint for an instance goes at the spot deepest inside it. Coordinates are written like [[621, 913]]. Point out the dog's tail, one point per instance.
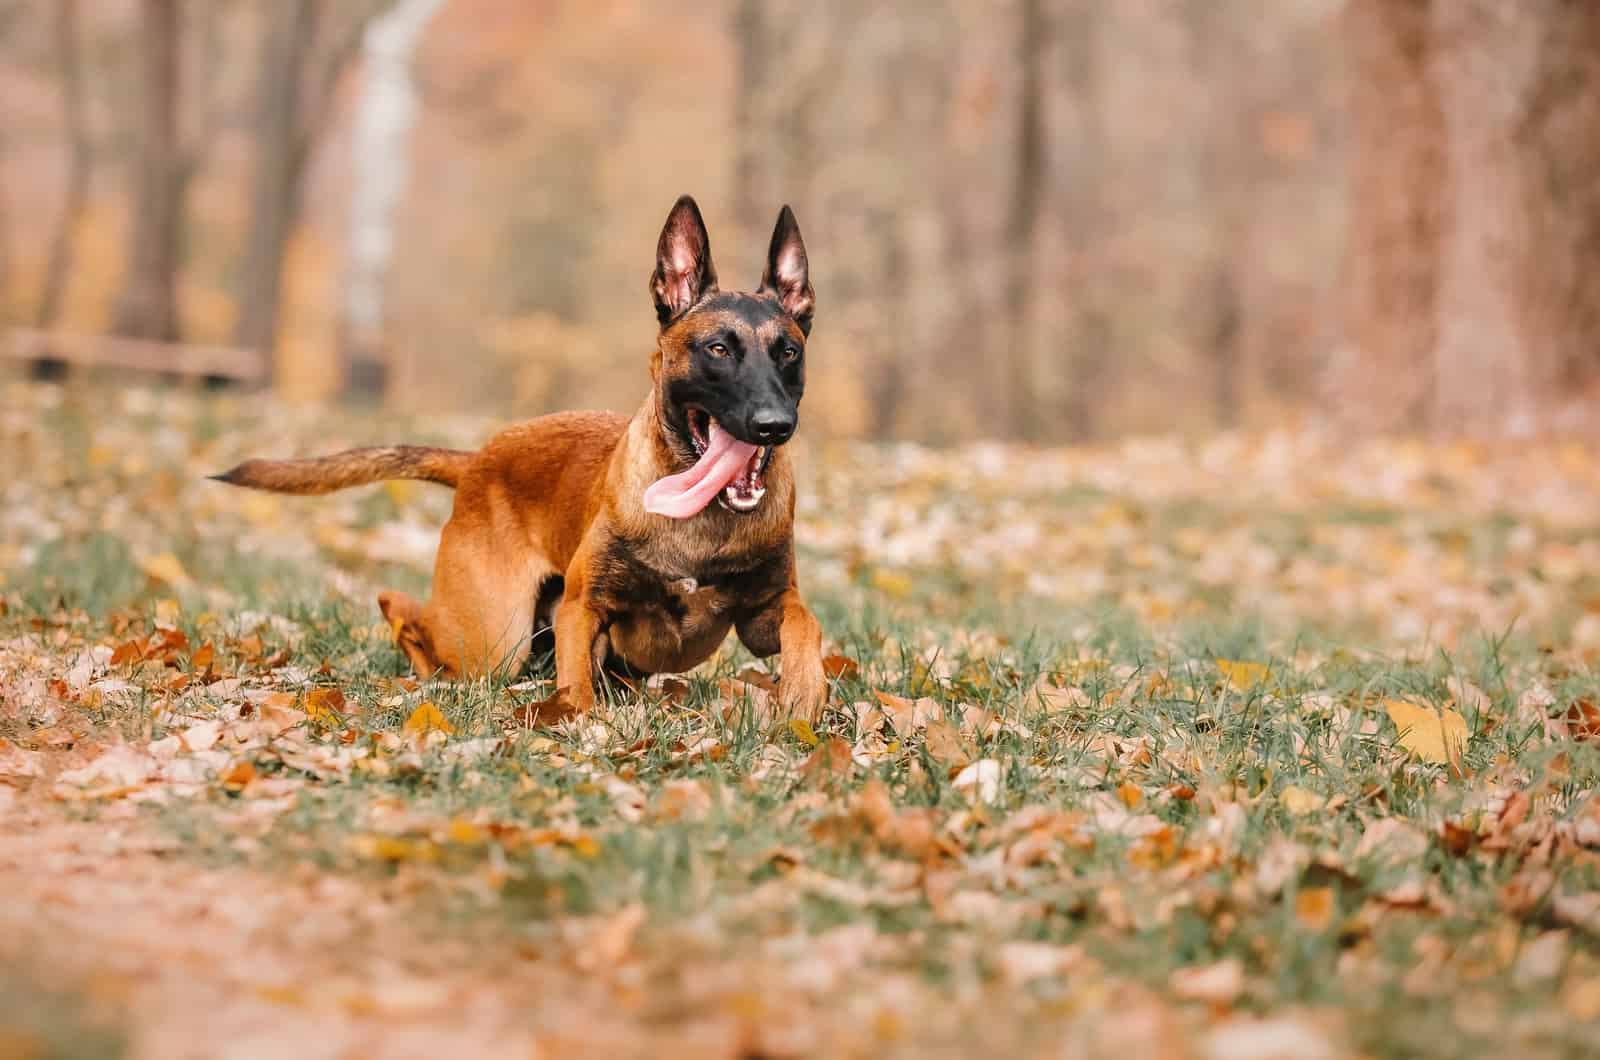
[[354, 467]]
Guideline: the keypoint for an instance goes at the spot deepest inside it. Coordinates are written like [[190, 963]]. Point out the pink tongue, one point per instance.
[[688, 492]]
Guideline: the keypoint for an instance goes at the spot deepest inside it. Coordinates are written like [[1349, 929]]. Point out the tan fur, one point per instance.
[[354, 467]]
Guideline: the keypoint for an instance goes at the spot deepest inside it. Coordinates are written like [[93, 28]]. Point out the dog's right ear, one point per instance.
[[684, 273]]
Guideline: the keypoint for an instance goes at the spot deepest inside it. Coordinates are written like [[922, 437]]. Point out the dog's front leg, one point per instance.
[[802, 686], [578, 626]]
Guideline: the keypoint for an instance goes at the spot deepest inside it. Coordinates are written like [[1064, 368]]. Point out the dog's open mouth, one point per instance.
[[748, 485], [725, 468]]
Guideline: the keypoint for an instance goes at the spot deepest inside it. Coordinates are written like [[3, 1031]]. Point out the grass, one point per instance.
[[1168, 771]]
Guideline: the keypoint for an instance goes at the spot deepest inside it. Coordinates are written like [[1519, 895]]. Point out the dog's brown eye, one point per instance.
[[790, 355], [717, 349]]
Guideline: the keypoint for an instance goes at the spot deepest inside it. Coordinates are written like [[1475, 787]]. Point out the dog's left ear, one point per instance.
[[787, 274], [684, 273]]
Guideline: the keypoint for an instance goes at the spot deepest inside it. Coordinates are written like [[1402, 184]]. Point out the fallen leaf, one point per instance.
[[1250, 1038], [1242, 676], [832, 758], [1218, 984], [980, 780], [1299, 801], [238, 776], [1022, 961], [803, 731], [840, 667], [908, 715], [1313, 908], [1430, 735], [325, 706], [426, 718], [163, 568], [608, 944], [114, 774], [1583, 720], [945, 745]]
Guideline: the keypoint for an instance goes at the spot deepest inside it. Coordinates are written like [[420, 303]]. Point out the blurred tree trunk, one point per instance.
[[750, 143], [74, 122], [1519, 275], [280, 160], [148, 305], [380, 144], [1022, 225], [1472, 296], [1083, 209], [1398, 199], [1221, 158]]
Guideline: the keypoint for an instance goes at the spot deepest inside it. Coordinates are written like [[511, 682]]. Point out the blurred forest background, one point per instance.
[[1050, 220]]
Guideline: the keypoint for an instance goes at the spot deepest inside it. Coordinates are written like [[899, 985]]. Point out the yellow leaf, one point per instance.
[[400, 491], [893, 583], [164, 568], [427, 718], [1130, 795], [1299, 801], [803, 731], [1430, 735], [465, 833], [394, 848], [1242, 676]]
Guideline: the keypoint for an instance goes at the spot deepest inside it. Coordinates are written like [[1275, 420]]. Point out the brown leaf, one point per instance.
[[840, 667], [551, 710], [945, 745], [907, 715], [830, 760], [1583, 720]]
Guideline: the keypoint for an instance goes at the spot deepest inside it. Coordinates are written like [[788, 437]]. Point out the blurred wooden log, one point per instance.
[[144, 355]]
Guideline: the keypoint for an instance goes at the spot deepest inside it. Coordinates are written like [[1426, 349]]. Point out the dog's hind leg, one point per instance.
[[405, 617], [480, 618]]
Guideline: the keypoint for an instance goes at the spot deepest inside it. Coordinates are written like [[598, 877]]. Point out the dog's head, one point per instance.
[[733, 357]]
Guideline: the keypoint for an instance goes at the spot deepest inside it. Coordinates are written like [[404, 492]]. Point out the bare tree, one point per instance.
[[148, 305], [380, 158], [1022, 227], [1473, 297], [1398, 196], [304, 52], [80, 161], [280, 157], [1082, 208]]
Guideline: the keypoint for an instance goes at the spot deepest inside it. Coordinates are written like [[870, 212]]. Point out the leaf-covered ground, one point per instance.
[[1270, 746]]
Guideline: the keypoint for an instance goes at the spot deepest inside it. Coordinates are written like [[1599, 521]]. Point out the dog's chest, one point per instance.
[[683, 590]]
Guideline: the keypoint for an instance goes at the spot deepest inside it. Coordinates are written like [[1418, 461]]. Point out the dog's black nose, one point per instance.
[[771, 426]]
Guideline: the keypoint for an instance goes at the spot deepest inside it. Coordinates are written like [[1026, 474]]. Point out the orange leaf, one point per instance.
[[1583, 720], [323, 705], [841, 667]]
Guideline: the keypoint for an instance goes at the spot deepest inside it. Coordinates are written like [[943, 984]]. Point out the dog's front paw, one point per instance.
[[803, 692]]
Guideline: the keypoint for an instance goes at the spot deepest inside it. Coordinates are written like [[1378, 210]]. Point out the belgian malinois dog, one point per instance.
[[604, 527]]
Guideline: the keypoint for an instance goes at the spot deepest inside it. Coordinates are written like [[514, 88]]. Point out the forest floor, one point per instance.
[[1253, 746]]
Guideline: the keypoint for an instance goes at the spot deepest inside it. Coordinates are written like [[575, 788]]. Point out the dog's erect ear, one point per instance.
[[787, 274], [684, 273]]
